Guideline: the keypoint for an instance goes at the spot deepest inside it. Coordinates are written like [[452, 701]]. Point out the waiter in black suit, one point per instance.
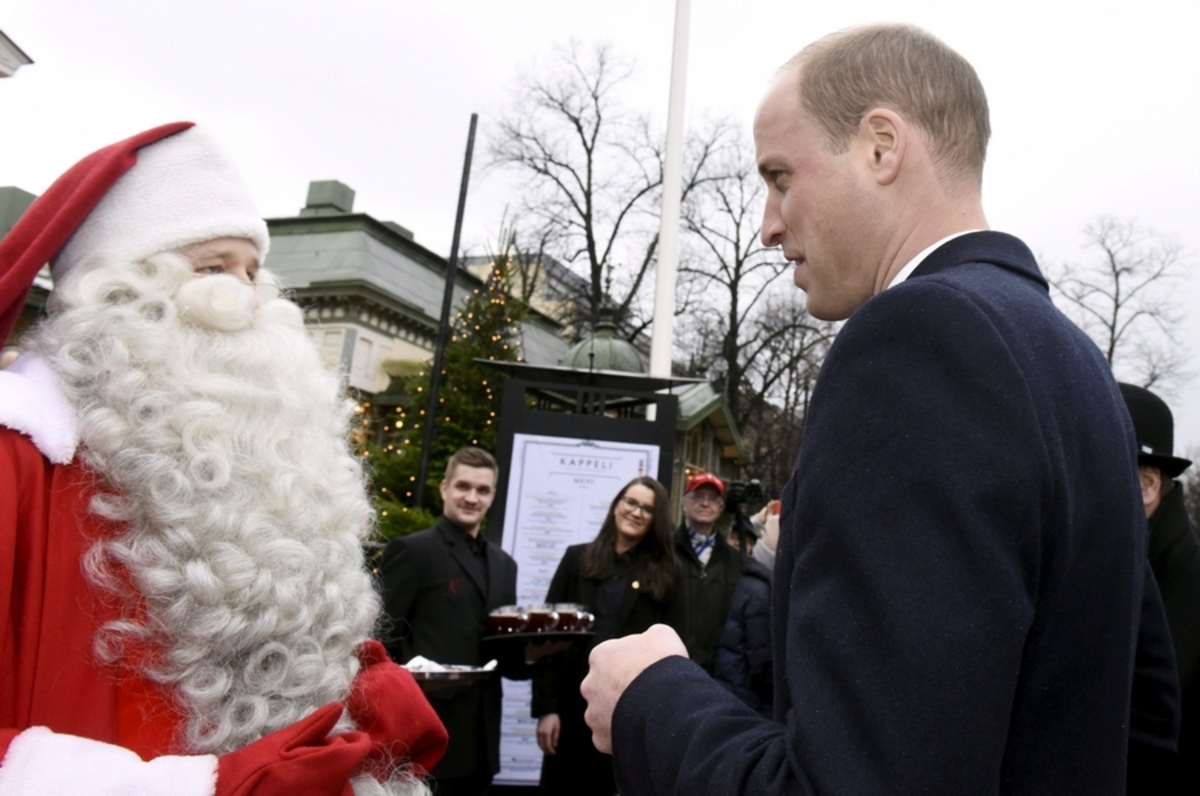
[[439, 585]]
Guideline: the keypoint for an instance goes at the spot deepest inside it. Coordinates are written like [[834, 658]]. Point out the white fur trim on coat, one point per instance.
[[183, 190], [32, 402], [41, 761]]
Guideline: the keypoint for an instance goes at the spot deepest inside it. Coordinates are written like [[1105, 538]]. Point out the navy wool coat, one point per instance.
[[961, 566]]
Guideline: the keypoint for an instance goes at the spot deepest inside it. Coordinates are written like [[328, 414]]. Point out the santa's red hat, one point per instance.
[[160, 190]]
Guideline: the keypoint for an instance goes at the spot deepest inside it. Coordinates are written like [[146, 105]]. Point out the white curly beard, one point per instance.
[[222, 442]]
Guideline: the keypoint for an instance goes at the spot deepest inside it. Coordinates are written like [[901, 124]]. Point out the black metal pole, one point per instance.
[[439, 351]]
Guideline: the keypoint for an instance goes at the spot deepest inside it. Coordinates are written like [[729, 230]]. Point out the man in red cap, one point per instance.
[[183, 603], [709, 568]]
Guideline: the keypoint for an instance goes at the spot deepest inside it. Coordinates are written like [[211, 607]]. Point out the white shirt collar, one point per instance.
[[912, 264]]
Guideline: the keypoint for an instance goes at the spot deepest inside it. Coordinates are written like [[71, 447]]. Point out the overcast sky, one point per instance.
[[1094, 106]]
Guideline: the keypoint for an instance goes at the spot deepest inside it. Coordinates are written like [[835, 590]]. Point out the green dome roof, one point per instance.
[[604, 350]]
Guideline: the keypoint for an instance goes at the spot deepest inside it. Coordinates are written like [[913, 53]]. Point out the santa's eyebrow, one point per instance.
[[223, 256]]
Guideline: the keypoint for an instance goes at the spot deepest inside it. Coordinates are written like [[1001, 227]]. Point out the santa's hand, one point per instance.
[[300, 758], [613, 666], [387, 703]]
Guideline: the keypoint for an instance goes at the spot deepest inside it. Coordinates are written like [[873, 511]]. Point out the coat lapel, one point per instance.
[[628, 601], [460, 553], [495, 565], [632, 592], [587, 592]]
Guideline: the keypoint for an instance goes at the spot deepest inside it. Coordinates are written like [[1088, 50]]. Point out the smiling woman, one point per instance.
[[626, 578], [633, 515]]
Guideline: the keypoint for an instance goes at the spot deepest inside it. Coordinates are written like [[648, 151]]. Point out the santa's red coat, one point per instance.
[[49, 614], [57, 701]]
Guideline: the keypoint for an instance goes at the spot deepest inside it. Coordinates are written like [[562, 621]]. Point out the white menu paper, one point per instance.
[[559, 491]]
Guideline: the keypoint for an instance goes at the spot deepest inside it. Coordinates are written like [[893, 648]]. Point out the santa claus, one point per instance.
[[184, 607]]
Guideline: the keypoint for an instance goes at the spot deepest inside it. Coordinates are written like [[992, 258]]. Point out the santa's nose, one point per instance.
[[241, 273]]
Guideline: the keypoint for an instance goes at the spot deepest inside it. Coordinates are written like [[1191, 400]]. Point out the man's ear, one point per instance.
[[885, 135], [1152, 482]]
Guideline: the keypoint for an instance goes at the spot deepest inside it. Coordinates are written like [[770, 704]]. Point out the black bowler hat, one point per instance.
[[1155, 430]]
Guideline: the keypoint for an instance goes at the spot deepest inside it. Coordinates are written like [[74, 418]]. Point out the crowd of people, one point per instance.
[[980, 578], [441, 583], [635, 574]]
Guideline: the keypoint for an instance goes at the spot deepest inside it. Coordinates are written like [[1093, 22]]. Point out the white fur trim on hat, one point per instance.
[[183, 190], [32, 402], [41, 761]]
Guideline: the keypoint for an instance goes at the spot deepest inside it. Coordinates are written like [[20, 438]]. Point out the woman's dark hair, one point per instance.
[[655, 553]]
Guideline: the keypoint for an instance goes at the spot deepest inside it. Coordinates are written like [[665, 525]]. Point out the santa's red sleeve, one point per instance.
[[40, 626]]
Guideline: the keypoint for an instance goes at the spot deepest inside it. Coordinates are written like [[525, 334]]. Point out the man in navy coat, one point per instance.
[[959, 584]]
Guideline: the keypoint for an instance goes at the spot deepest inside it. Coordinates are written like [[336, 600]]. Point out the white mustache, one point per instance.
[[222, 303]]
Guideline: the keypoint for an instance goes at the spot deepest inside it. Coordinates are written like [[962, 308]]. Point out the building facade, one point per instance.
[[372, 295]]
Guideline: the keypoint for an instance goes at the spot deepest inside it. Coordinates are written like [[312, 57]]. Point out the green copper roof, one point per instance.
[[604, 350]]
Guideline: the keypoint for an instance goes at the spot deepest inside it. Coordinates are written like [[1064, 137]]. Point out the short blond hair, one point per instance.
[[472, 457], [908, 70]]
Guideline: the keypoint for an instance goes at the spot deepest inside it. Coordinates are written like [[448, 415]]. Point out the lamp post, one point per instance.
[[439, 351]]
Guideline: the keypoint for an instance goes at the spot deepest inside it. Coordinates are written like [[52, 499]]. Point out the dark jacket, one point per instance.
[[438, 608], [1175, 559], [704, 593], [577, 767], [744, 657], [961, 612]]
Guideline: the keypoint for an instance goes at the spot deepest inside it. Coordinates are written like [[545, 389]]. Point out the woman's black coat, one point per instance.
[[577, 767]]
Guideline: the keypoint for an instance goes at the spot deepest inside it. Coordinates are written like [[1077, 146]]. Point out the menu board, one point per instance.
[[559, 491]]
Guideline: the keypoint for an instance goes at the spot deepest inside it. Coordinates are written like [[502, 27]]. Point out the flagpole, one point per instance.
[[663, 335], [661, 339]]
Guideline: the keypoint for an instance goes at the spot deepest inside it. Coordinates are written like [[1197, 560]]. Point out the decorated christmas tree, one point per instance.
[[485, 327]]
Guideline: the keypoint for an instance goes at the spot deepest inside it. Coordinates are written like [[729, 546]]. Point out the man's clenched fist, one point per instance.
[[613, 666]]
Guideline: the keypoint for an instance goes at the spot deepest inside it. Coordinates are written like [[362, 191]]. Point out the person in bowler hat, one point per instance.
[[1175, 559]]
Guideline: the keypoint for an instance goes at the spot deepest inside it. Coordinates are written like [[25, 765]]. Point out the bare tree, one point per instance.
[[594, 174], [524, 251], [728, 270], [781, 365], [782, 352], [745, 323], [1124, 300]]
